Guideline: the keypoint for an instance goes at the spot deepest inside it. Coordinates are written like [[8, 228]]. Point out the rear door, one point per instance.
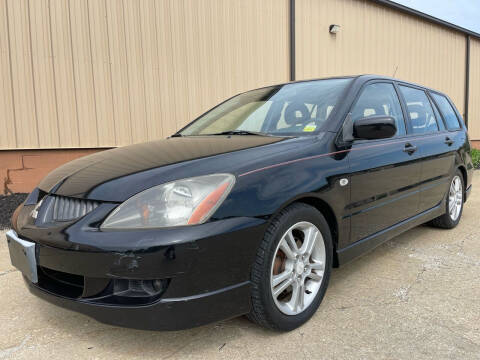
[[385, 173], [437, 145]]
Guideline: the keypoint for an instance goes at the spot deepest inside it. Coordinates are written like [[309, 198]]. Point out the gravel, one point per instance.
[[8, 204]]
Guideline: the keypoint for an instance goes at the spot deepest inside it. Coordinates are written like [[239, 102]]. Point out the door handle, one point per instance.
[[409, 148], [449, 141]]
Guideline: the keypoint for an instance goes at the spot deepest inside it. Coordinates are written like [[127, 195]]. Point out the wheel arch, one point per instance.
[[465, 180], [326, 210], [464, 173]]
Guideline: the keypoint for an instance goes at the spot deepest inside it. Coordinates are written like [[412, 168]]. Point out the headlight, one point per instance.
[[181, 202]]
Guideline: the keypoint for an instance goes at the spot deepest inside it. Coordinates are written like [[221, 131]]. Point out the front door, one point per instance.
[[385, 174]]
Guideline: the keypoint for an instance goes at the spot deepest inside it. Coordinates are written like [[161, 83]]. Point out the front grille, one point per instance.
[[66, 208], [57, 208]]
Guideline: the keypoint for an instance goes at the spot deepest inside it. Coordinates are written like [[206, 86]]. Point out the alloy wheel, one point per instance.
[[455, 198], [297, 268]]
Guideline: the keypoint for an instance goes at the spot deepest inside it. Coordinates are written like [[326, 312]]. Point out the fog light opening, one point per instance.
[[139, 288]]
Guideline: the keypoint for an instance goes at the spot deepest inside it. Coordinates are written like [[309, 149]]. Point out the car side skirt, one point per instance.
[[369, 243]]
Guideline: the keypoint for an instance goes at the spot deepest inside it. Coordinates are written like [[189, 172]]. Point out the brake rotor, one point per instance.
[[279, 264]]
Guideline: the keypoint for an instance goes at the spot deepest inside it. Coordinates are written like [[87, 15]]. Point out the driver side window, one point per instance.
[[379, 99]]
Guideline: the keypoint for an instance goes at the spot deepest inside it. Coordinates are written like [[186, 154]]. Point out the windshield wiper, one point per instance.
[[239, 132]]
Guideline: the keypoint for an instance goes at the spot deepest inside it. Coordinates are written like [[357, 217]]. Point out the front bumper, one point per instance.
[[206, 267], [166, 314]]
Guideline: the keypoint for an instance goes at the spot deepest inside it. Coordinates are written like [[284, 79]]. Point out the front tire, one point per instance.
[[292, 268], [454, 204]]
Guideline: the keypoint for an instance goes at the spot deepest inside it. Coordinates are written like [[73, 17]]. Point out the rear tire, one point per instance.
[[292, 268], [454, 204]]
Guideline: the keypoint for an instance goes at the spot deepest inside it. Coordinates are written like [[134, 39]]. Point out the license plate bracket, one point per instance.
[[22, 255]]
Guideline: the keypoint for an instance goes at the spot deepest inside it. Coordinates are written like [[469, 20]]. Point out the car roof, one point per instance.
[[362, 78]]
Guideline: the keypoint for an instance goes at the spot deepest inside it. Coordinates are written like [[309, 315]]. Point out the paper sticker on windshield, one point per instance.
[[309, 128]]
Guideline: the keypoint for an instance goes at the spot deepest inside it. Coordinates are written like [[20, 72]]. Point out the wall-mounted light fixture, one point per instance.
[[334, 28]]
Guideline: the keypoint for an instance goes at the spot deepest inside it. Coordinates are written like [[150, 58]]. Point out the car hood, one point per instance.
[[87, 176]]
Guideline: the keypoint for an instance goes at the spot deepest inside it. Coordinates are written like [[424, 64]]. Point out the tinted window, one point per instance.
[[379, 99], [447, 111], [422, 117], [291, 109]]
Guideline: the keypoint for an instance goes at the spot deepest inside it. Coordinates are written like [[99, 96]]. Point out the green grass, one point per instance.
[[476, 158]]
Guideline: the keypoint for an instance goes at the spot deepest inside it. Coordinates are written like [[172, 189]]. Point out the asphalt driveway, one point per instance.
[[417, 296]]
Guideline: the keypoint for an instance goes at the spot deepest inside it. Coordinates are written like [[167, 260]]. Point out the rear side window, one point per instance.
[[447, 111], [379, 99], [422, 117]]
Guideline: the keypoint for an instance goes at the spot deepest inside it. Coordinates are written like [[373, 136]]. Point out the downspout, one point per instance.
[[467, 78], [292, 40]]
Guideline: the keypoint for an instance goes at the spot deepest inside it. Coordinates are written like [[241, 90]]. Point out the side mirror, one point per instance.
[[374, 127]]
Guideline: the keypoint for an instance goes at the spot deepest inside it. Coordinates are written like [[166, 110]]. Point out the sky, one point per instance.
[[464, 13]]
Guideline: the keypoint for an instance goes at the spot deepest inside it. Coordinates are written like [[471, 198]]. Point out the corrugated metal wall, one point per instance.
[[100, 73], [474, 103], [379, 40]]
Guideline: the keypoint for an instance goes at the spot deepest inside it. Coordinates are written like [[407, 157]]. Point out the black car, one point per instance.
[[247, 209]]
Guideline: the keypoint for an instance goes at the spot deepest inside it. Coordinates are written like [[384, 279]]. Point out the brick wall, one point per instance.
[[22, 170]]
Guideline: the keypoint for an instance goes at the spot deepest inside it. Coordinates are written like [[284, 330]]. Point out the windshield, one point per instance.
[[292, 109]]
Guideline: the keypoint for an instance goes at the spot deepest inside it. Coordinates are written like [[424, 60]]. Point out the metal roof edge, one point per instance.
[[427, 17]]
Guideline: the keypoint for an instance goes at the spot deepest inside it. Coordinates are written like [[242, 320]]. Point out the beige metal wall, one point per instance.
[[474, 102], [376, 39], [100, 73]]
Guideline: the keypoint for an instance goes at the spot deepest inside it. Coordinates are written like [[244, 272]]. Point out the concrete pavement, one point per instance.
[[415, 297]]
